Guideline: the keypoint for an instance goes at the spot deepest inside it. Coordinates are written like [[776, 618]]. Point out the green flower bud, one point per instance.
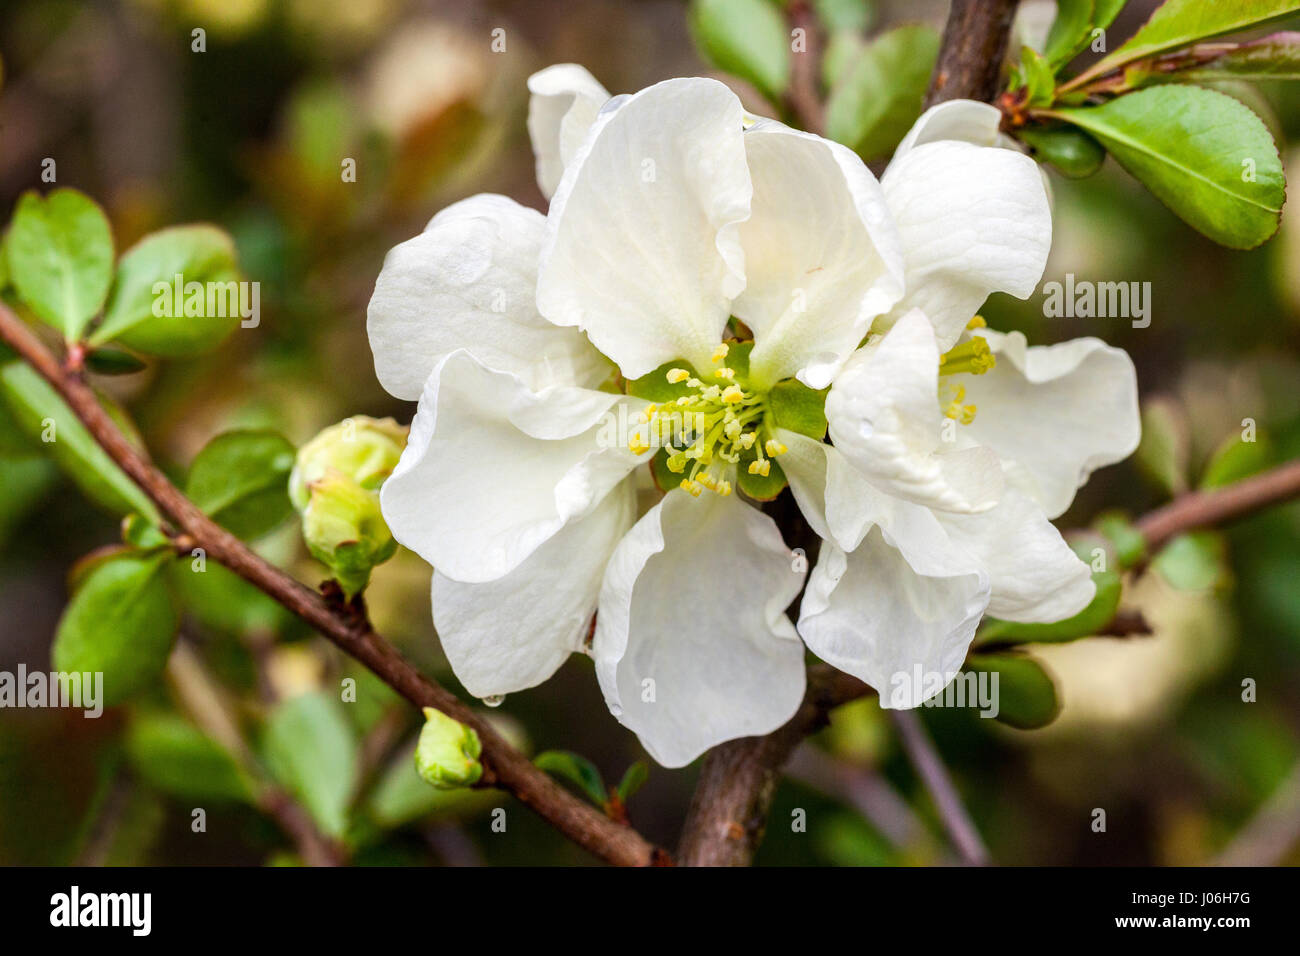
[[364, 449], [345, 530], [335, 485], [447, 754]]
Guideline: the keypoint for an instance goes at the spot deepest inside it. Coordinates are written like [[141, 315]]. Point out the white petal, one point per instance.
[[968, 121], [897, 612], [973, 220], [692, 644], [515, 632], [642, 250], [469, 281], [884, 416], [1032, 571], [564, 102], [821, 254], [492, 469], [835, 497], [1055, 413]]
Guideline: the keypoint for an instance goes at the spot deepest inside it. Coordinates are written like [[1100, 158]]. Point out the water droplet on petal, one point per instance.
[[494, 700]]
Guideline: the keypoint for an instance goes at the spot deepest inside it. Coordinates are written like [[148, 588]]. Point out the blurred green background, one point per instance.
[[250, 134]]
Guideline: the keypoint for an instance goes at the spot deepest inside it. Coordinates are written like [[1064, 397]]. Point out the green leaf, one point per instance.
[[880, 96], [1275, 57], [1128, 542], [1026, 694], [146, 285], [1105, 12], [634, 779], [1178, 23], [1070, 31], [655, 387], [1035, 73], [1203, 154], [176, 757], [844, 16], [1236, 459], [42, 414], [746, 38], [139, 532], [1093, 618], [1192, 561], [113, 362], [576, 769], [310, 749], [121, 623], [223, 600], [60, 255], [25, 482], [241, 480], [1165, 450], [799, 408], [1067, 148]]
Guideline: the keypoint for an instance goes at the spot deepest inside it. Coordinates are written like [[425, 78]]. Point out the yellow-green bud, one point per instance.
[[364, 449], [345, 530], [335, 485], [447, 753]]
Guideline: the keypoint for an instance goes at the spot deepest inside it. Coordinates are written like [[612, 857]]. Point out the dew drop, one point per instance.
[[494, 700]]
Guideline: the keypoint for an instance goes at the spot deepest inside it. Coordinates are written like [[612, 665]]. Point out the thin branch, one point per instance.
[[344, 625], [802, 98], [971, 53], [1204, 509], [930, 768]]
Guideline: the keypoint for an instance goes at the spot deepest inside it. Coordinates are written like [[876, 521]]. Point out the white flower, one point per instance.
[[677, 224]]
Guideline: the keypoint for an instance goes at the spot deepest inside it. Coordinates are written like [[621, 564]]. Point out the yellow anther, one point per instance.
[[973, 357], [676, 463], [677, 376], [746, 440], [720, 353], [732, 428], [707, 480], [694, 487], [724, 372], [977, 323], [637, 444], [774, 447], [724, 488], [733, 395], [760, 467]]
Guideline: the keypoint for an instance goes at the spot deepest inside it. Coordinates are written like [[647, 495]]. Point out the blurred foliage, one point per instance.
[[310, 136]]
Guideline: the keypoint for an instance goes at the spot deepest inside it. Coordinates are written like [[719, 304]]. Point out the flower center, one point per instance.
[[972, 357], [706, 430]]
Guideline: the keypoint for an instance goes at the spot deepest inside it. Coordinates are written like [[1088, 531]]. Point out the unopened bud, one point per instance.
[[362, 448], [447, 753], [345, 530]]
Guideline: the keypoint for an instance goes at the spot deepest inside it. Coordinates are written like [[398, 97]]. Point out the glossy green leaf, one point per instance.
[[60, 256], [1105, 11], [139, 532], [747, 38], [844, 16], [1179, 23], [1067, 148], [310, 749], [1092, 619], [148, 312], [121, 623], [241, 480], [1070, 31], [42, 414], [223, 600], [1035, 73], [1026, 694], [1203, 154], [176, 757], [576, 769], [634, 779], [799, 408], [1236, 459], [1275, 57], [110, 361], [880, 96]]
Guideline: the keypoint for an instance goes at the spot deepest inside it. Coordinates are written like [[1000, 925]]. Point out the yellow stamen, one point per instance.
[[720, 353], [677, 376], [733, 395], [694, 487], [977, 323], [774, 447], [973, 357]]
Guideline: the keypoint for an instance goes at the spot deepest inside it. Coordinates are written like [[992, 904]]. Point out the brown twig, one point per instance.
[[802, 98], [930, 768], [972, 50], [345, 626], [1204, 509]]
